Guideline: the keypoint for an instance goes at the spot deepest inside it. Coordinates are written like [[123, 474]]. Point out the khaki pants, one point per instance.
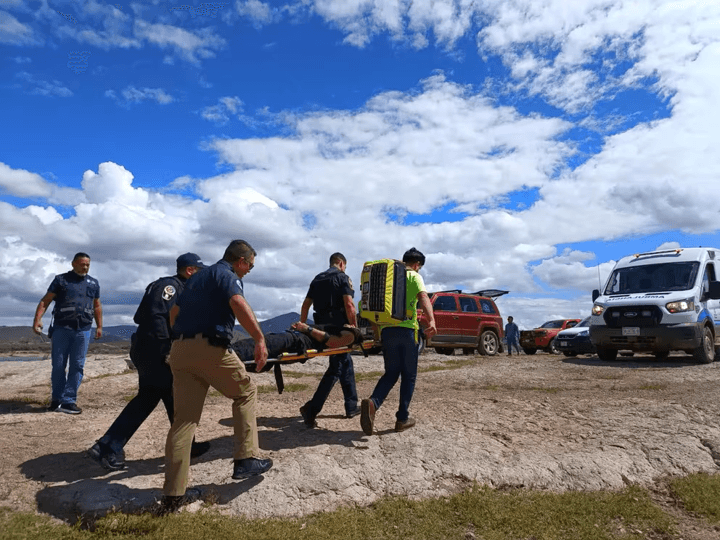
[[196, 365]]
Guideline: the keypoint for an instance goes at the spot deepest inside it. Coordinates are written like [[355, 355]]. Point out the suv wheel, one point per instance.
[[445, 350], [552, 349], [530, 351], [488, 343]]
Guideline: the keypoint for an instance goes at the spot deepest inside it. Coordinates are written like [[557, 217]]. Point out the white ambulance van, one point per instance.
[[659, 302]]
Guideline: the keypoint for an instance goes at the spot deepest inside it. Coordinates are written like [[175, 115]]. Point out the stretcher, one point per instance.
[[292, 358]]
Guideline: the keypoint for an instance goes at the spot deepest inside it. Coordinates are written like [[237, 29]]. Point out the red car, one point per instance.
[[542, 337]]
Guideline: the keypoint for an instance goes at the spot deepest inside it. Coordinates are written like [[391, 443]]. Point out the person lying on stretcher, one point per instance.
[[298, 341]]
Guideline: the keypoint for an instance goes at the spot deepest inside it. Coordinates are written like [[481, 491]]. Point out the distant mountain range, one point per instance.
[[25, 334]]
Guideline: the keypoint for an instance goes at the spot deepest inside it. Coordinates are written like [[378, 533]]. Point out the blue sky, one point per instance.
[[520, 144]]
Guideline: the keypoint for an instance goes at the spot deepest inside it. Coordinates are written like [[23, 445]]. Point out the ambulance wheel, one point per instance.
[[488, 343], [607, 355], [705, 353]]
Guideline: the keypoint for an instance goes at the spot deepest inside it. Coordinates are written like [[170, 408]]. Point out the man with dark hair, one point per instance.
[[400, 351], [77, 302], [149, 348], [512, 335], [331, 293], [203, 320]]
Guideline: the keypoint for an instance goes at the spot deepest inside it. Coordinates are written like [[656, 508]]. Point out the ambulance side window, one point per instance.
[[708, 276]]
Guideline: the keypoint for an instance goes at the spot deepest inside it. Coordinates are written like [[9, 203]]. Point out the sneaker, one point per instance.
[[367, 416], [308, 417], [199, 448], [244, 468], [107, 459], [402, 426], [69, 408], [353, 413], [113, 461], [54, 405], [95, 452], [171, 503]]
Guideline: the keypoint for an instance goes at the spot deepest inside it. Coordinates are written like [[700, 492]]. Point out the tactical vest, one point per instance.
[[328, 304], [383, 299], [74, 308]]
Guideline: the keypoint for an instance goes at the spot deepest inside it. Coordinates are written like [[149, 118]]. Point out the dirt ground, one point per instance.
[[523, 404]]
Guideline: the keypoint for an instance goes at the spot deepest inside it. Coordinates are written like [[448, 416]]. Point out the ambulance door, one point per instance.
[[713, 306]]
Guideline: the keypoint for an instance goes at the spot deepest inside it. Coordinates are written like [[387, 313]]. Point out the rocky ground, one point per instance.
[[543, 421]]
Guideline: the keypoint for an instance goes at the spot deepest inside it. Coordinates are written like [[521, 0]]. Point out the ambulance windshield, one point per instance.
[[653, 278]]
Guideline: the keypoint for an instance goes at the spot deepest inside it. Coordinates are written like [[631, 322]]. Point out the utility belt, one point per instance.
[[212, 339]]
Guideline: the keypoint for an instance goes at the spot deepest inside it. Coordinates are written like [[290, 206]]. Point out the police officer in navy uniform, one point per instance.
[[77, 302], [149, 348], [203, 321], [331, 293]]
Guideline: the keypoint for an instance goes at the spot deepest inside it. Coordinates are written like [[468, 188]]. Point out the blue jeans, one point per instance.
[[400, 354], [513, 343], [340, 368], [69, 348]]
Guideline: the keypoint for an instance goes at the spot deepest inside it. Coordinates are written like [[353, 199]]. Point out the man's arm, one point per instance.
[[345, 338], [426, 306], [350, 309], [245, 316], [45, 301], [173, 315], [305, 309], [97, 306]]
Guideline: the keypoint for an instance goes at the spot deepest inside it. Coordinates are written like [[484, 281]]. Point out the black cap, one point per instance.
[[189, 259]]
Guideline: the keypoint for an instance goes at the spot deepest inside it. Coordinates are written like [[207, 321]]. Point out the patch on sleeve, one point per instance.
[[350, 283], [168, 292]]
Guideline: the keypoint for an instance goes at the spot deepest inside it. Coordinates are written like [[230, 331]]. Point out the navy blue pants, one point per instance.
[[155, 385], [340, 369], [400, 354]]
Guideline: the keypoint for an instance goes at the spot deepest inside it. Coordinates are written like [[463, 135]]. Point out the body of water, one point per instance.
[[23, 358]]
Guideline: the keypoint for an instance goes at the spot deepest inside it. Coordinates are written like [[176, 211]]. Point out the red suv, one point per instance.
[[466, 321]]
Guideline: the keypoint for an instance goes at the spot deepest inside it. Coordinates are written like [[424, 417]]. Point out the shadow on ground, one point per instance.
[[16, 406], [284, 433], [633, 362]]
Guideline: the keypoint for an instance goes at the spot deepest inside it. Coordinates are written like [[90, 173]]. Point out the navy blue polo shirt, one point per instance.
[[205, 302], [153, 313]]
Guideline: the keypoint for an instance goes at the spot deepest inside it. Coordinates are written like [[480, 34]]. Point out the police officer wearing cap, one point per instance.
[[204, 318], [149, 348], [331, 293], [77, 302]]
